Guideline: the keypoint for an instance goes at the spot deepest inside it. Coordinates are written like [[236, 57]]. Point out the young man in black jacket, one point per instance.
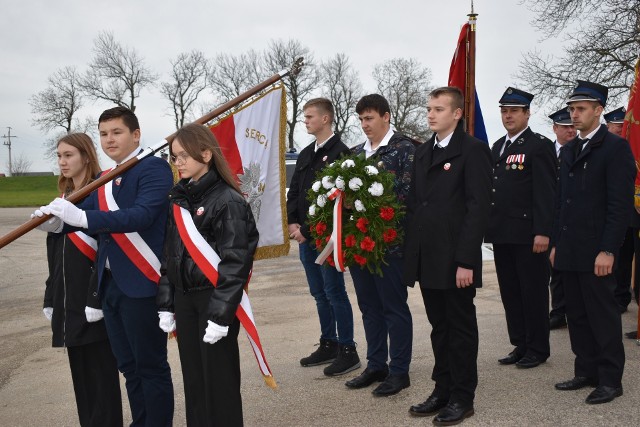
[[325, 282], [448, 212]]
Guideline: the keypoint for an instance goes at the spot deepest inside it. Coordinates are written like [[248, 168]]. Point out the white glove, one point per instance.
[[52, 225], [48, 312], [93, 314], [68, 212], [167, 321], [214, 332]]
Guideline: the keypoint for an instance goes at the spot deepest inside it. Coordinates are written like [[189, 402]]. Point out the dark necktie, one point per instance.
[[507, 143]]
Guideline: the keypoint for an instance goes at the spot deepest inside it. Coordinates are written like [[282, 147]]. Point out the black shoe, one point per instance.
[[431, 406], [367, 377], [346, 361], [392, 385], [452, 414], [603, 394], [529, 362], [511, 358], [557, 322], [326, 353], [577, 383], [631, 335]]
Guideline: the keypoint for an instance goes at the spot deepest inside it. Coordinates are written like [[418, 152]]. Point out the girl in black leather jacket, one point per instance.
[[205, 315]]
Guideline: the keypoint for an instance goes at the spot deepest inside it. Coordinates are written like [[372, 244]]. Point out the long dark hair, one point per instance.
[[195, 139], [87, 150]]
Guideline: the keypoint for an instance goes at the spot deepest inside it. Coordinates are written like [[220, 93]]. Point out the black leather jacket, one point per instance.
[[224, 219]]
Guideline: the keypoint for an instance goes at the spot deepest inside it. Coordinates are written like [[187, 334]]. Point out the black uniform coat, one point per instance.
[[592, 205], [523, 197], [448, 211], [308, 164]]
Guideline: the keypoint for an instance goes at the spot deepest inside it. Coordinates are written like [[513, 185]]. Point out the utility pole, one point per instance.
[[8, 144]]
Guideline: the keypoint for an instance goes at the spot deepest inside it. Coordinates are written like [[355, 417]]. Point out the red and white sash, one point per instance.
[[334, 245], [207, 260], [85, 243], [131, 244]]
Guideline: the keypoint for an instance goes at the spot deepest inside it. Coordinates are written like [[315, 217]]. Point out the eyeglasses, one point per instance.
[[180, 158]]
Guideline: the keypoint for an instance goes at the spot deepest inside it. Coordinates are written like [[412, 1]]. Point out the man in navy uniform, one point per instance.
[[524, 179], [596, 186], [565, 132], [447, 214]]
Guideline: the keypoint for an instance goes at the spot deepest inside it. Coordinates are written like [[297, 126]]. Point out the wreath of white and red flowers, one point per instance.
[[368, 215]]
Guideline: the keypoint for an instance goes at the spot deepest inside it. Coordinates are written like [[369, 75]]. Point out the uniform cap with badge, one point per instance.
[[589, 91], [513, 97], [615, 116], [561, 117]]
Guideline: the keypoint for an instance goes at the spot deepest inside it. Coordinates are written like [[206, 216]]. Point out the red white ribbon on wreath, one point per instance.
[[335, 241], [207, 260]]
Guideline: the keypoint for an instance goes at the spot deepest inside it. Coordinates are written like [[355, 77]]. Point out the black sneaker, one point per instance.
[[346, 361], [326, 353]]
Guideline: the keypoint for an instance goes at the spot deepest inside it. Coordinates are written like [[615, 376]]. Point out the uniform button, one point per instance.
[[564, 227], [568, 200], [571, 174], [493, 189], [495, 177], [497, 164], [524, 215], [425, 203], [492, 204]]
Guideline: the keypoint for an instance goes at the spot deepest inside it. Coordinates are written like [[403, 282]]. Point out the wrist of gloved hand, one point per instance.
[[214, 332], [167, 321], [93, 314], [48, 313], [67, 212]]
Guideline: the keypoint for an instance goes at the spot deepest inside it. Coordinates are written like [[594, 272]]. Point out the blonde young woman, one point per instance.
[[206, 204], [69, 291]]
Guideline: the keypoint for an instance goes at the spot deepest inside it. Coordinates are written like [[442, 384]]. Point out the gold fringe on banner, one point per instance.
[[270, 381]]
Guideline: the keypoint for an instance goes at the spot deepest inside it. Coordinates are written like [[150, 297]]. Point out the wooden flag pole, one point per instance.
[[470, 89], [85, 191]]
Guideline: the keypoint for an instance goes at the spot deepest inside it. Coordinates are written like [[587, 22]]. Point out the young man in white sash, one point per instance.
[[129, 216]]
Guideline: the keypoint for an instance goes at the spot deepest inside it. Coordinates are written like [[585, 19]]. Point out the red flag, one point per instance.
[[631, 127], [457, 72]]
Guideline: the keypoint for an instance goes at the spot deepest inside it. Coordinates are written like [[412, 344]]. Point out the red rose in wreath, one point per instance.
[[321, 227], [387, 213], [359, 259], [367, 244], [318, 243], [350, 241], [330, 261], [389, 235], [361, 224]]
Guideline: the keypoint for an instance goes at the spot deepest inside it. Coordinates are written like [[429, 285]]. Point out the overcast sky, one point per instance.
[[37, 37]]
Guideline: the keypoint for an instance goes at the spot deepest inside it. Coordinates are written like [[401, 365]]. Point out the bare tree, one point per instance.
[[188, 79], [88, 126], [232, 75], [20, 165], [116, 73], [406, 84], [56, 106], [341, 84], [602, 40], [281, 55]]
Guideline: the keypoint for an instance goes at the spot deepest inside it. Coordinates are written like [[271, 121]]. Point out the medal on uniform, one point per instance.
[[520, 166], [514, 166], [447, 166], [200, 211], [118, 180]]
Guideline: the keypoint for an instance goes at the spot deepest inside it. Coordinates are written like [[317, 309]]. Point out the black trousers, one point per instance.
[[595, 328], [523, 278], [556, 289], [454, 339], [624, 267], [211, 372], [96, 384]]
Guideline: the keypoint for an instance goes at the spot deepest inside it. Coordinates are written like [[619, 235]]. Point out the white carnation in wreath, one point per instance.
[[371, 170], [376, 189], [348, 164], [322, 200], [312, 210], [355, 184], [316, 186], [359, 206], [340, 183], [327, 183]]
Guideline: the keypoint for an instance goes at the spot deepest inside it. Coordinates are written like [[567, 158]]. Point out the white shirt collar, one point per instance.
[[513, 139], [593, 132], [318, 146], [444, 142], [385, 141], [558, 147]]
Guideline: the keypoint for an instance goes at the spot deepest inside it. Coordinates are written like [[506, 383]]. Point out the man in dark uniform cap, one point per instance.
[[615, 120], [597, 173], [524, 178], [565, 132]]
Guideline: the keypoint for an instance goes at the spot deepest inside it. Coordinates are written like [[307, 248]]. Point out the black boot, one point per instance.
[[346, 361], [326, 353]]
